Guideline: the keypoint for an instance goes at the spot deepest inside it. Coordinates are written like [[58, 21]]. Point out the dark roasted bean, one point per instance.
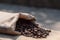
[[35, 37], [39, 36]]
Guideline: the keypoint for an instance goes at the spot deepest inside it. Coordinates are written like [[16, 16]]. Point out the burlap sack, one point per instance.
[[8, 22]]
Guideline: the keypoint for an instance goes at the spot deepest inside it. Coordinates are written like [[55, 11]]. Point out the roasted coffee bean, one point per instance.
[[30, 29], [39, 36], [48, 30], [35, 37], [38, 33], [35, 30], [44, 35], [30, 35], [26, 31]]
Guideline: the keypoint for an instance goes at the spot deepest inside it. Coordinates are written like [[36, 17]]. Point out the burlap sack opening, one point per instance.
[[8, 22]]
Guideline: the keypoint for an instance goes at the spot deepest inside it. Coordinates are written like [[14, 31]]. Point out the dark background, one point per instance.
[[35, 3]]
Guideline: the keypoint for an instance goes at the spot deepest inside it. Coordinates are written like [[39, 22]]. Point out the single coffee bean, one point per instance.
[[48, 30], [39, 36], [30, 35], [44, 35], [29, 29], [26, 31], [39, 33], [34, 36]]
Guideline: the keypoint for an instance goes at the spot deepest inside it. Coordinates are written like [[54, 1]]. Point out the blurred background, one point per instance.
[[47, 12], [35, 3]]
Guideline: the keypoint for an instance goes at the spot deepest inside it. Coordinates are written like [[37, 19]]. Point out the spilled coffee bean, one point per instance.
[[30, 29]]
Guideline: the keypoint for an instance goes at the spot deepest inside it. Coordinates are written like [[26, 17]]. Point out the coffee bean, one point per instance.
[[39, 36], [48, 30], [39, 33], [30, 35], [29, 29], [26, 31], [44, 35], [35, 37]]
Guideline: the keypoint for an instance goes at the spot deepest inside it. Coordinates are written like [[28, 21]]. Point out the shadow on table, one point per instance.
[[8, 37]]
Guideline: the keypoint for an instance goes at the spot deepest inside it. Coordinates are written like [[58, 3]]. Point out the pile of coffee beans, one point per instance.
[[30, 29]]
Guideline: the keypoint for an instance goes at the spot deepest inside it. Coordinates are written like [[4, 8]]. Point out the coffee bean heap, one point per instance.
[[30, 29]]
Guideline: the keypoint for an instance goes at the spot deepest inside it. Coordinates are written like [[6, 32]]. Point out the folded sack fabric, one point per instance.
[[7, 22]]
